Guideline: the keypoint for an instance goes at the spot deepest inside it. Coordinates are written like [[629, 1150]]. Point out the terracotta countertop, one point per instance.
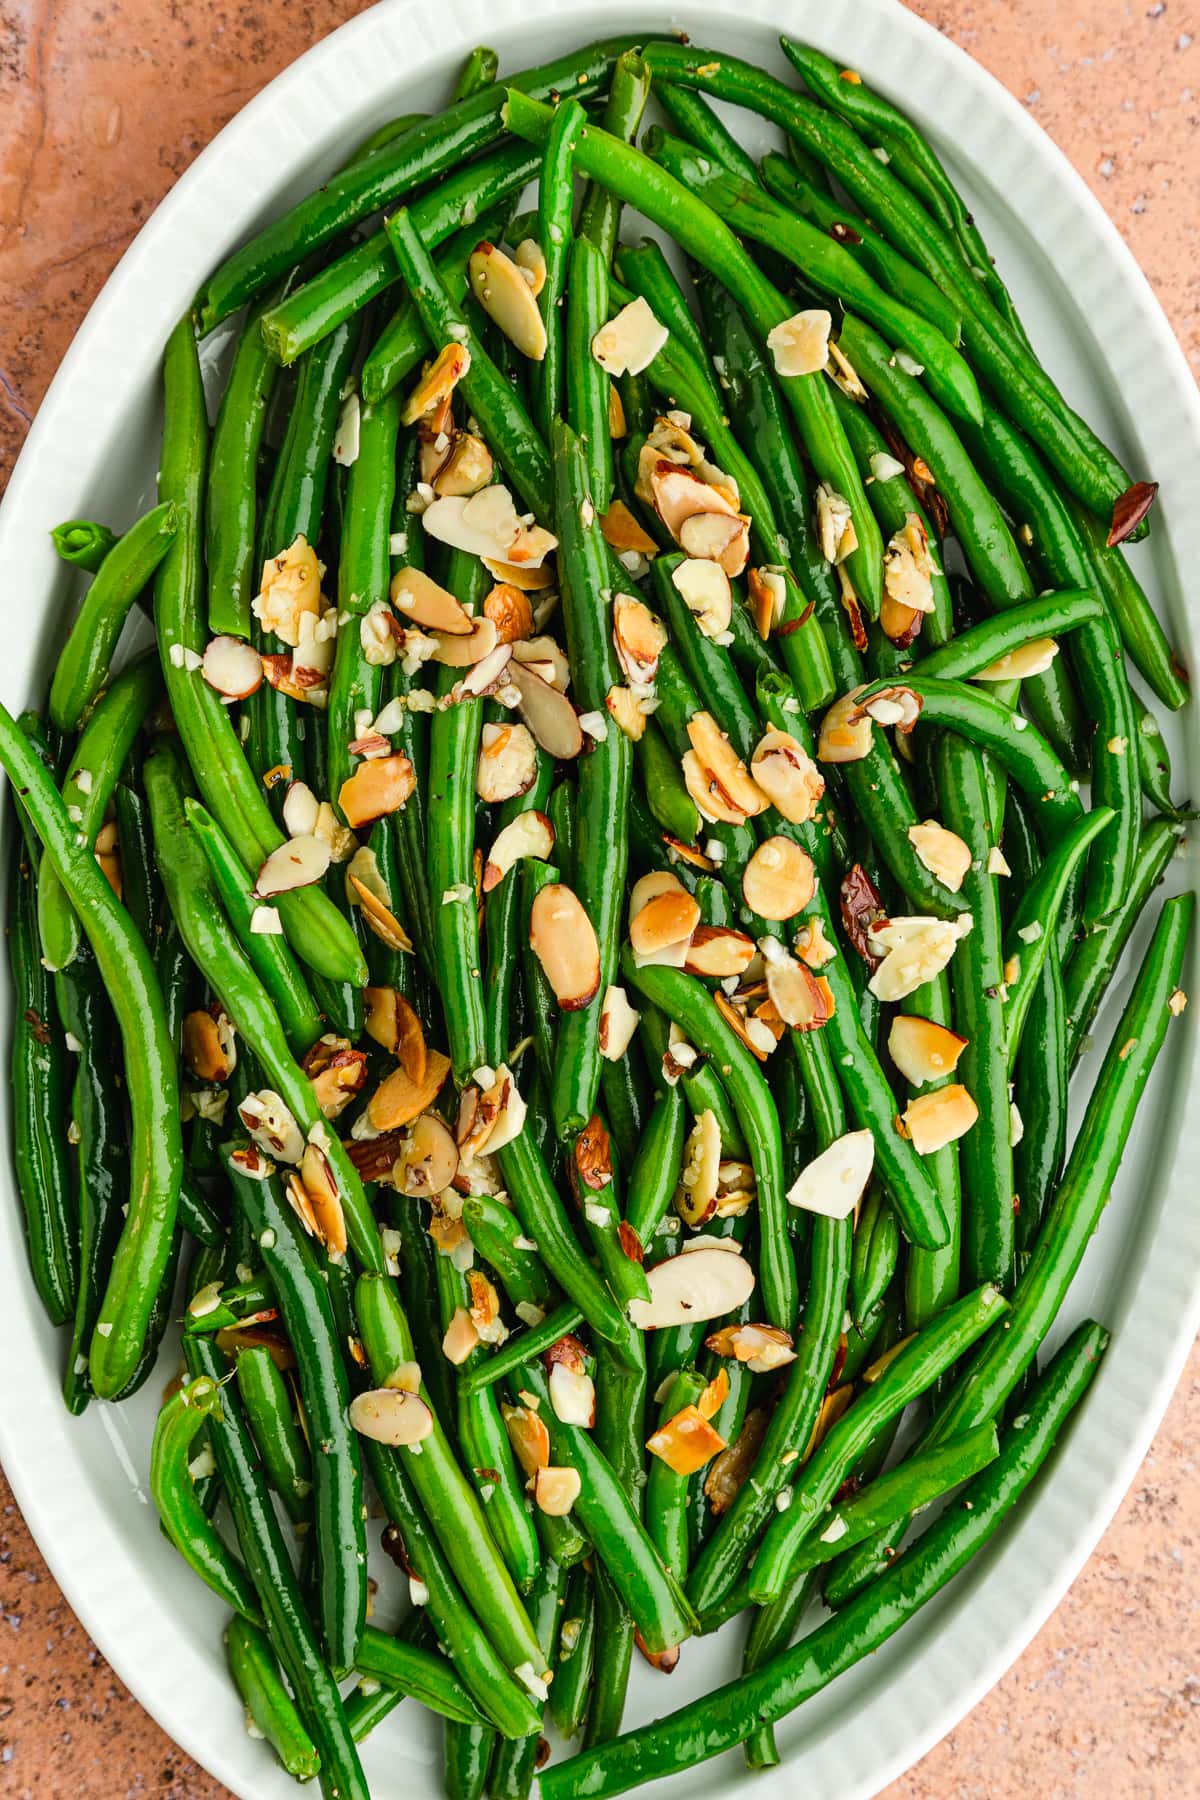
[[104, 103]]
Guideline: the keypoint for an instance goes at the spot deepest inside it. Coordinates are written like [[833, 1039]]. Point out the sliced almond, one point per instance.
[[392, 1021], [510, 612], [572, 1395], [934, 1120], [626, 709], [233, 667], [593, 1155], [1033, 658], [459, 652], [618, 1022], [669, 919], [398, 1100], [532, 264], [507, 299], [391, 1416], [209, 1045], [714, 1396], [617, 425], [337, 1071], [710, 797], [529, 1437], [680, 493], [648, 887], [914, 949], [418, 598], [290, 588], [548, 714], [724, 541], [375, 910], [767, 592], [721, 762], [700, 1174], [900, 624], [546, 659], [761, 1347], [377, 787], [897, 706], [638, 636], [630, 341], [428, 1162], [835, 524], [300, 810], [460, 1337], [295, 864], [555, 1490], [730, 1470], [623, 534], [529, 581], [320, 1184], [812, 946], [757, 1036], [706, 593], [800, 345], [530, 834], [563, 939], [686, 1290], [686, 1442], [907, 566], [796, 994], [922, 1050], [507, 764], [468, 468], [343, 844], [942, 852], [778, 881], [834, 1182], [438, 381], [487, 676], [788, 776], [272, 1126], [845, 731], [718, 951], [487, 524]]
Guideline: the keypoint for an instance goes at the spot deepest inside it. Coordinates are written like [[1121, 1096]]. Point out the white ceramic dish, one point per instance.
[[92, 451]]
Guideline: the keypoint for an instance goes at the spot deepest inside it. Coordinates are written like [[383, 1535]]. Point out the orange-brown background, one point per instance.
[[103, 103]]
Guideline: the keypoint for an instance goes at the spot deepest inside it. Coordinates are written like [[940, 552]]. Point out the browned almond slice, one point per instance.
[[943, 853], [922, 1050], [761, 1347], [555, 1491], [714, 1396], [812, 946], [719, 951], [418, 598], [291, 587], [720, 760], [209, 1045], [897, 706], [296, 864], [593, 1155], [767, 591], [437, 382], [529, 1437], [566, 1350], [507, 299], [624, 706], [669, 919], [648, 887], [618, 1022], [686, 1442], [376, 911], [398, 1100], [835, 524], [1029, 659], [617, 425], [546, 659], [714, 803], [320, 1184], [532, 264], [788, 776], [800, 345], [563, 939], [529, 581], [934, 1120], [460, 1337], [623, 533], [705, 589], [271, 1125], [832, 1408], [485, 1308], [233, 667], [530, 834], [279, 674], [572, 1395], [914, 950], [685, 1290], [487, 524], [724, 540], [630, 341], [639, 638], [834, 1182], [428, 1163], [507, 763], [845, 734], [486, 676], [679, 493], [463, 652], [699, 1177], [300, 810], [376, 788], [778, 881], [794, 992], [391, 1416], [730, 1470], [510, 612], [901, 624], [907, 566], [548, 714], [467, 469], [690, 854], [337, 1071]]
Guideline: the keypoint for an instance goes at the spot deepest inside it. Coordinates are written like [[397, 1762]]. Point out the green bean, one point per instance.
[[655, 1172], [875, 1253], [402, 345], [700, 1084], [587, 383], [232, 500], [625, 1101], [563, 1321], [285, 1454], [1035, 923], [555, 199], [644, 270], [1040, 1097], [599, 217], [667, 1494], [696, 119], [83, 542], [515, 1761], [611, 1663], [83, 662], [269, 1706], [467, 1759], [1141, 631], [1090, 967], [573, 1676], [426, 1675], [183, 1518]]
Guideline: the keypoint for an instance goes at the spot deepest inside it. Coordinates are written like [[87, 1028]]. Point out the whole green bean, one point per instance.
[[268, 1704], [83, 662]]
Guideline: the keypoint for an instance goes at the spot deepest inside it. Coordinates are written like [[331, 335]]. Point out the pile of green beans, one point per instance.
[[576, 936]]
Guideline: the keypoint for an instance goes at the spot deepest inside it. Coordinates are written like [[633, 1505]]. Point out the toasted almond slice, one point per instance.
[[713, 802], [563, 939], [834, 1182], [378, 915], [271, 1125], [835, 524], [1033, 658], [546, 659], [320, 1184], [831, 1410], [398, 1100], [630, 341], [460, 652], [845, 734], [638, 637], [761, 1347], [623, 533], [907, 566], [295, 864], [669, 919], [209, 1045], [934, 1120], [706, 1284], [572, 1395], [730, 1470], [922, 1050], [724, 541], [618, 1022], [438, 381], [342, 842], [788, 776], [510, 612], [468, 468], [720, 760], [901, 624], [617, 425], [290, 588], [460, 1337], [529, 1436], [393, 1023], [548, 714], [686, 1442], [795, 994], [530, 834], [648, 887], [529, 581], [566, 1350], [376, 788], [778, 881], [914, 951], [488, 524], [233, 667], [626, 709], [555, 1491], [757, 1036], [390, 1415], [800, 345], [767, 591], [593, 1155], [812, 946], [485, 1308], [719, 951], [897, 706], [691, 854], [300, 809], [699, 1179], [507, 299], [507, 763], [428, 1163], [942, 852], [714, 1396], [679, 493], [532, 264], [487, 676], [705, 589]]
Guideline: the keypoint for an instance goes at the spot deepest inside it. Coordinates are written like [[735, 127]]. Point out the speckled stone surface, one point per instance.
[[102, 104]]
